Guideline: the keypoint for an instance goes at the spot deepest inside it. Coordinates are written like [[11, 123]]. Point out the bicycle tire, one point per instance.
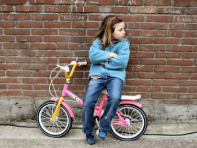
[[137, 123], [62, 124]]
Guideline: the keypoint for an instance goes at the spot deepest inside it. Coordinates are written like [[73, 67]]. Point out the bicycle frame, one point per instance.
[[65, 92]]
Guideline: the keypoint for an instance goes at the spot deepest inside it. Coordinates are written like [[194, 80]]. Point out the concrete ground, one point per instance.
[[18, 137]]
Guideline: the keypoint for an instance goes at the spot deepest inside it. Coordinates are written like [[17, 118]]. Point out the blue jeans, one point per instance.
[[95, 86]]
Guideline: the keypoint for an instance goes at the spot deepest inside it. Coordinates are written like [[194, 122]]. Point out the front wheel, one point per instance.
[[137, 123], [60, 126]]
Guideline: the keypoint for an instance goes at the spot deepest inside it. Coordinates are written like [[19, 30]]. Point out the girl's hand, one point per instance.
[[112, 55], [102, 63]]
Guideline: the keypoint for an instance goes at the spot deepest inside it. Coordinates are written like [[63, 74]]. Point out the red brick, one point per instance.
[[99, 2], [85, 24], [56, 8], [159, 18], [57, 24], [180, 62], [43, 60], [133, 18], [86, 9], [166, 69], [184, 34], [81, 53], [42, 46], [142, 25], [171, 10], [16, 17], [44, 31], [164, 83], [189, 69], [152, 47], [7, 38], [81, 2], [92, 32], [192, 102], [33, 66], [17, 60], [193, 76], [10, 92], [189, 41], [69, 17], [177, 102], [133, 33], [19, 86], [131, 75], [142, 54], [189, 55], [5, 24], [44, 87], [195, 48], [69, 46], [35, 93], [187, 96], [44, 17], [148, 89], [158, 2], [72, 32], [2, 73], [191, 11], [168, 55], [179, 48], [152, 62], [142, 9], [56, 39], [176, 76], [163, 95], [170, 26], [140, 40], [166, 41], [185, 3], [32, 53], [31, 24], [60, 53], [10, 80], [15, 45], [187, 19], [9, 66], [17, 31], [28, 8], [191, 26], [157, 33], [140, 68], [42, 1], [28, 38], [108, 9], [82, 39], [6, 8], [187, 83], [193, 89], [128, 89], [18, 73], [8, 52], [33, 80], [42, 74], [129, 2], [1, 59], [150, 75], [138, 82], [13, 2], [3, 86]]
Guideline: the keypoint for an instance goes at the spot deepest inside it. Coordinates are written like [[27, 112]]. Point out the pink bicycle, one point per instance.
[[54, 117]]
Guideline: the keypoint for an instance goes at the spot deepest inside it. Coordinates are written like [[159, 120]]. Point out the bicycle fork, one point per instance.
[[57, 110]]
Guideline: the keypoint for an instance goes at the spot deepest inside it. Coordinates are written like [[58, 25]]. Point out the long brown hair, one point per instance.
[[107, 28]]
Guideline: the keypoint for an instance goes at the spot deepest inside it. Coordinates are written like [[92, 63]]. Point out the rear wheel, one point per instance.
[[60, 126], [137, 123]]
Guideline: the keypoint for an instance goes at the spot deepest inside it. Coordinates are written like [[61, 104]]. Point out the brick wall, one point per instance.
[[35, 35]]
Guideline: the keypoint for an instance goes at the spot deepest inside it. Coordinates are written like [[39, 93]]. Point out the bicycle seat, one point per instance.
[[124, 97]]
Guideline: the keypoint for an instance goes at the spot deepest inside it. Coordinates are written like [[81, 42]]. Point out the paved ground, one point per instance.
[[18, 137]]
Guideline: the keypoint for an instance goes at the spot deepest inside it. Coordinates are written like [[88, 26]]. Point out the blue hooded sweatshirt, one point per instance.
[[114, 67]]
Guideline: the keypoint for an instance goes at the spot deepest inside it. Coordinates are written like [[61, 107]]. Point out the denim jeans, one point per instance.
[[95, 86]]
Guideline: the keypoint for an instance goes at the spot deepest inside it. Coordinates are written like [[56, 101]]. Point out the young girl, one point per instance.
[[109, 55]]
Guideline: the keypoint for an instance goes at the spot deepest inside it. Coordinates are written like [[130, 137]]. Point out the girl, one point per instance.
[[109, 55]]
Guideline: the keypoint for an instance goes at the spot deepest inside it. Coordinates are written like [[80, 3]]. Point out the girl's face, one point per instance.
[[119, 32]]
